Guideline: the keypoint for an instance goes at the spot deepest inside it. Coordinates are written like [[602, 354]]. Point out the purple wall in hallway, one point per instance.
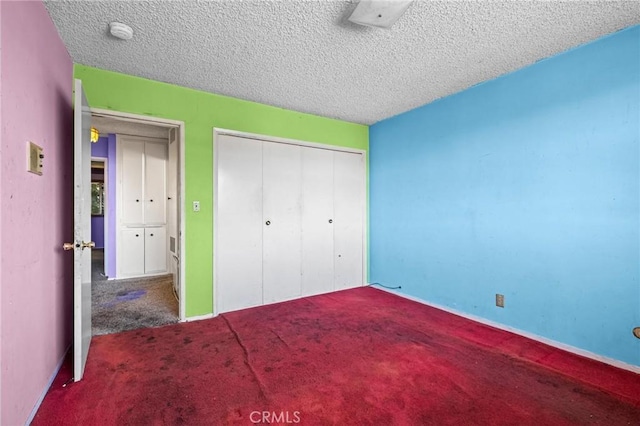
[[106, 148], [97, 231], [99, 149], [110, 240]]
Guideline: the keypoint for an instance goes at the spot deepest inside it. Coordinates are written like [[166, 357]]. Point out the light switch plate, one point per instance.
[[196, 206], [34, 158]]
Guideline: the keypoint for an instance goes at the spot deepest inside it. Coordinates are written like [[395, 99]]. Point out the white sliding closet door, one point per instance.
[[317, 221], [282, 191], [349, 198], [239, 223]]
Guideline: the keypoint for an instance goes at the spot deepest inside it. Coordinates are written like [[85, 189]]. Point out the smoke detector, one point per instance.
[[379, 13], [121, 31]]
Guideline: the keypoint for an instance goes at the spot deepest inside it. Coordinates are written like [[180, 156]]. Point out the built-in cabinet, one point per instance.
[[142, 209], [289, 223]]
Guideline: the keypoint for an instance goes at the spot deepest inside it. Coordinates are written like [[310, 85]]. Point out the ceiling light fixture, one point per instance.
[[379, 13], [95, 135], [121, 31]]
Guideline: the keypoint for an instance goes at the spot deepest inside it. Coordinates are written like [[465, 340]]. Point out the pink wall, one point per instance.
[[36, 212]]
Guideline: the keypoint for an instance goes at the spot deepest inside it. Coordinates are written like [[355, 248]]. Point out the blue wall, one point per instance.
[[527, 185], [99, 150]]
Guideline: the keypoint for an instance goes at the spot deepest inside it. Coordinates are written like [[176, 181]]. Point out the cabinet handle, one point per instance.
[[268, 223], [151, 201], [152, 235], [137, 235], [330, 220], [137, 201]]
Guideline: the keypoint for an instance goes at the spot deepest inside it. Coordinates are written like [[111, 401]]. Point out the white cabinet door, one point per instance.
[[131, 256], [282, 232], [155, 183], [155, 249], [238, 223], [131, 175], [349, 198], [317, 221]]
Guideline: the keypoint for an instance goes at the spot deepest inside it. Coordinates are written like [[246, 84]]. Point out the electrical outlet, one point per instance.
[[196, 206], [500, 300]]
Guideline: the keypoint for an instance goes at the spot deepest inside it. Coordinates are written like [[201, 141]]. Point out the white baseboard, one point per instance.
[[198, 318], [572, 349], [36, 407]]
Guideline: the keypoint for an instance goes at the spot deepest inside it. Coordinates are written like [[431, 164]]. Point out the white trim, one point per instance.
[[164, 122], [53, 376], [558, 345], [136, 118], [266, 138], [197, 318], [182, 252], [214, 277]]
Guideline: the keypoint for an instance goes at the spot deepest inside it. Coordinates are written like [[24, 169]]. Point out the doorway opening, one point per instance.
[[137, 222]]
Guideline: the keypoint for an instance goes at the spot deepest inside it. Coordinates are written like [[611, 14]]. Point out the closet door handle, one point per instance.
[[330, 220], [268, 223]]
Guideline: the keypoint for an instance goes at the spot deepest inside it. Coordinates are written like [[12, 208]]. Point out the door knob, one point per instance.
[[71, 246], [268, 223]]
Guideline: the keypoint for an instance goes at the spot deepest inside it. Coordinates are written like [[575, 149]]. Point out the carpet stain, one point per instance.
[[125, 297], [119, 305]]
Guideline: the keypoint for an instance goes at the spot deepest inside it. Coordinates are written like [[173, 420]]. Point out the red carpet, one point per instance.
[[355, 357]]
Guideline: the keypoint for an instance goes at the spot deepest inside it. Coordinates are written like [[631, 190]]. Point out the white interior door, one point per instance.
[[317, 221], [238, 223], [282, 231], [82, 232], [349, 198]]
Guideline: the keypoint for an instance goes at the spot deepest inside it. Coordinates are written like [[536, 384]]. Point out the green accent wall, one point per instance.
[[201, 112]]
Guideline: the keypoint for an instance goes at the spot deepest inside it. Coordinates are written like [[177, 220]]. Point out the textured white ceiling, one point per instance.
[[306, 56]]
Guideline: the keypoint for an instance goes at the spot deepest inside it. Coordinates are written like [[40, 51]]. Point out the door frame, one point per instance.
[[266, 138], [165, 122], [105, 202]]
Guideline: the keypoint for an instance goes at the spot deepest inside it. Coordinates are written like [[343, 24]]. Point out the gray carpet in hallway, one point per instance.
[[120, 305]]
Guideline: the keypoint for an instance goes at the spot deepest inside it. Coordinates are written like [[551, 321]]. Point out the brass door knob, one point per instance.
[[90, 244], [67, 246]]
